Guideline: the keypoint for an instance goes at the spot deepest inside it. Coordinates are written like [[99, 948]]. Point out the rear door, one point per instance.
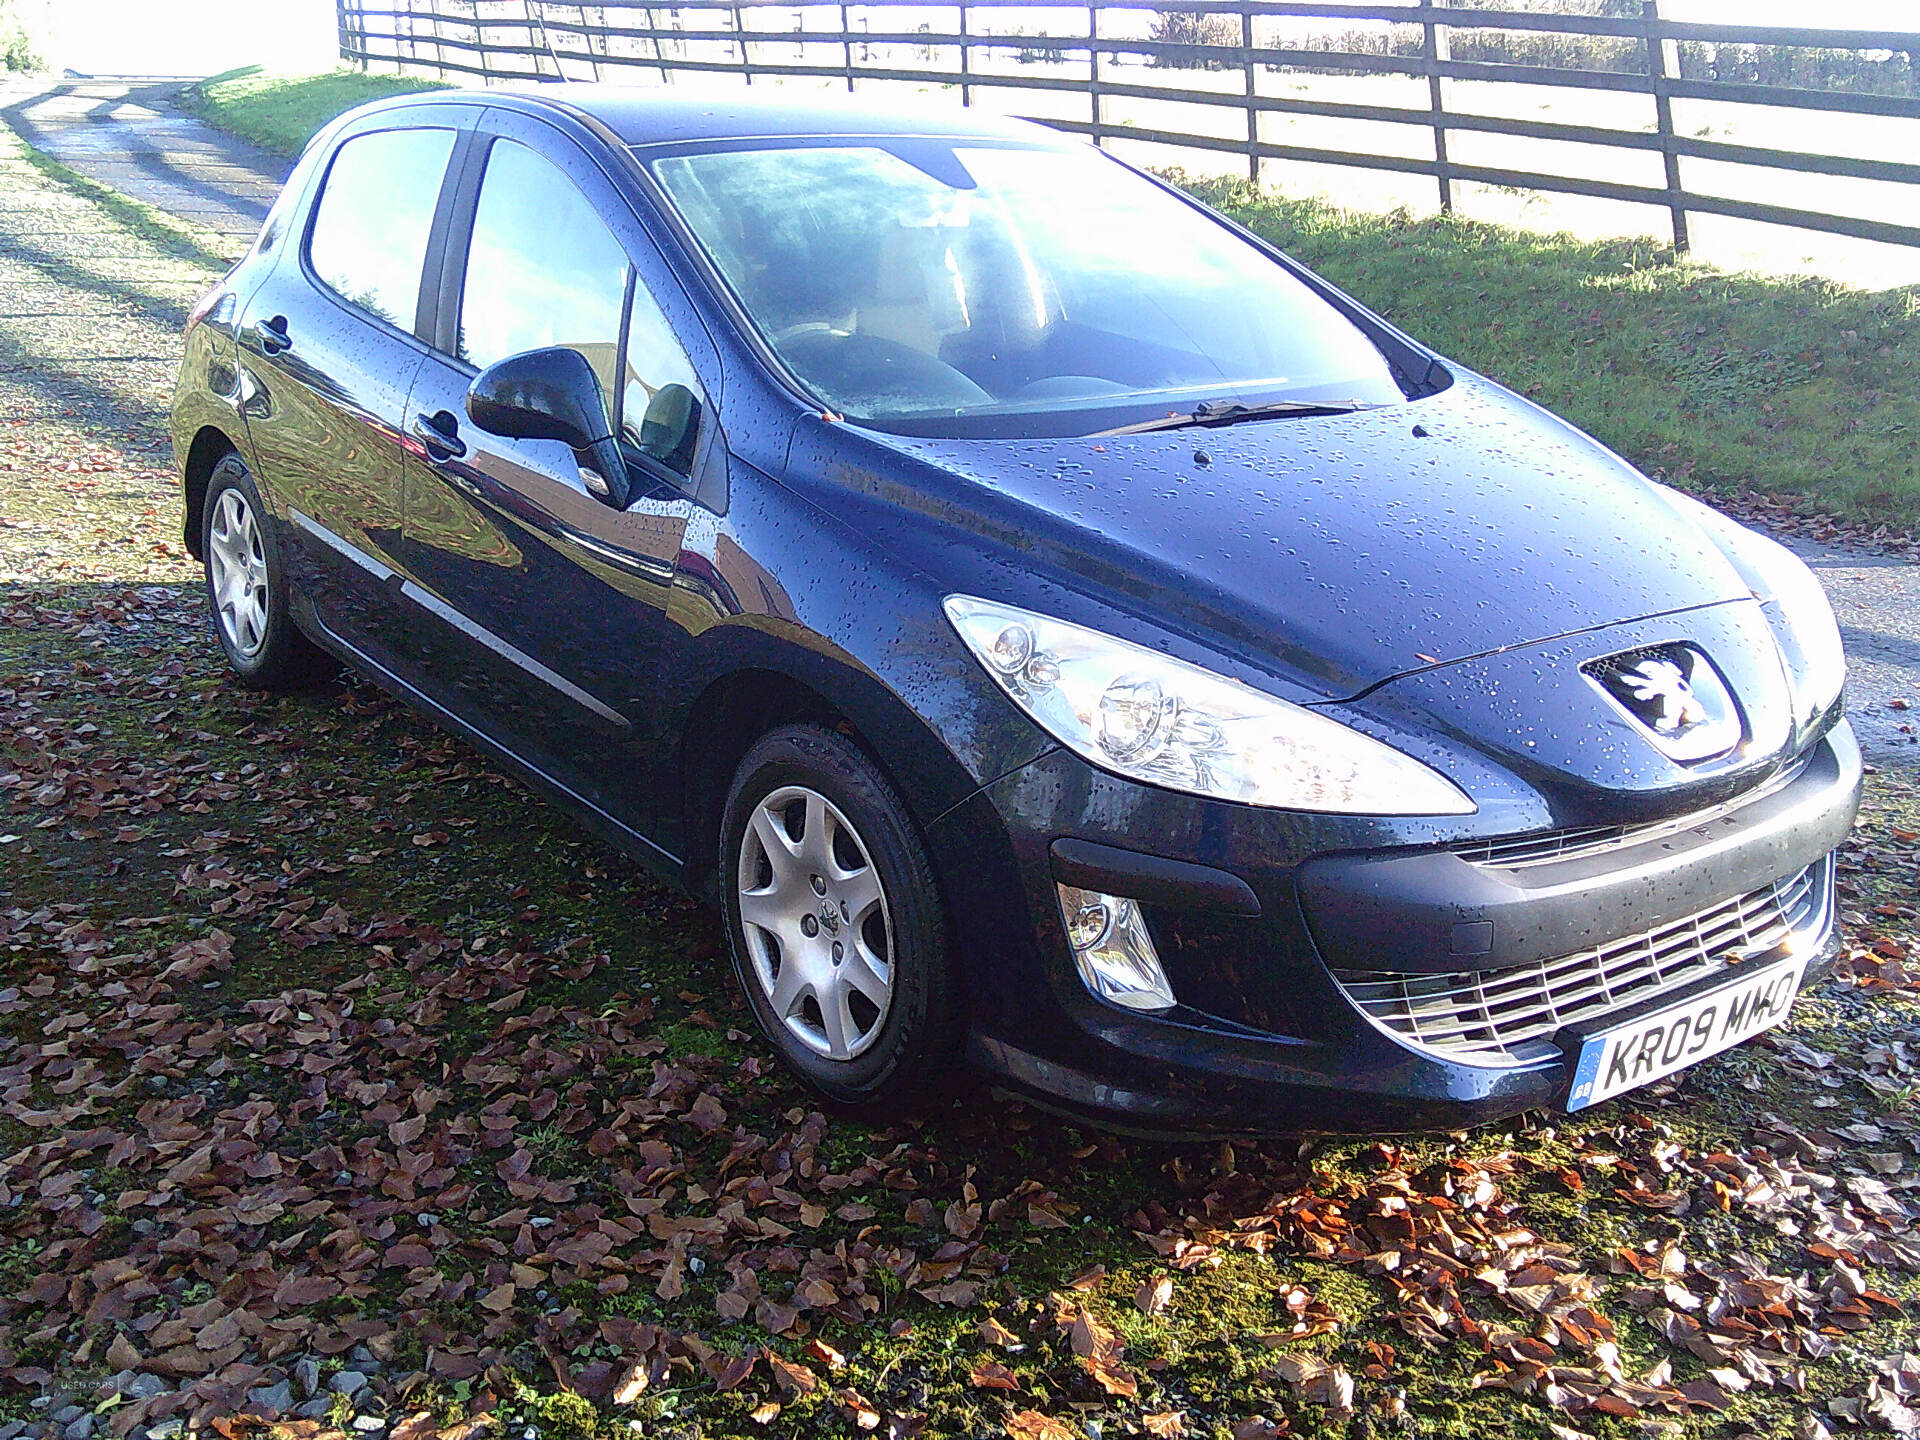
[[545, 604], [329, 347]]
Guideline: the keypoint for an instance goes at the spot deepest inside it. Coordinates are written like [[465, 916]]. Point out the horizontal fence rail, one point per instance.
[[1113, 51]]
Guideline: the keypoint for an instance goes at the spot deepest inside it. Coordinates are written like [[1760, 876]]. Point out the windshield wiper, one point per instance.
[[1232, 412]]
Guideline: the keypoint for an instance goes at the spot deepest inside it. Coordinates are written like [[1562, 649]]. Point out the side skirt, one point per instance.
[[660, 862]]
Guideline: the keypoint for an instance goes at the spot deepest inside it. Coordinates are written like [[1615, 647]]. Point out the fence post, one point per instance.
[[1439, 49], [1253, 113], [345, 30], [546, 39], [533, 50], [653, 34], [1663, 64], [437, 22], [1093, 64], [740, 40], [479, 39], [586, 36], [966, 61], [846, 46]]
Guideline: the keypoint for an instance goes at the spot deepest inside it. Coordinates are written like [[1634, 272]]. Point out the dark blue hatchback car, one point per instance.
[[1059, 630]]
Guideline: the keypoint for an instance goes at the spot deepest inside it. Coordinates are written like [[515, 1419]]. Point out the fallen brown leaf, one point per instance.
[[1033, 1425]]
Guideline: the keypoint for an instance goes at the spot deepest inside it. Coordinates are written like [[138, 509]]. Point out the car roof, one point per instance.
[[656, 115]]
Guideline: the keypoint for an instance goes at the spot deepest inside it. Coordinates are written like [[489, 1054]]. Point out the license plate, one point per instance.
[[1640, 1051]]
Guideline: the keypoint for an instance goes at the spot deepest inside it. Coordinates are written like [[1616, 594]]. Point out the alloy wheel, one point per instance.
[[814, 918], [237, 572]]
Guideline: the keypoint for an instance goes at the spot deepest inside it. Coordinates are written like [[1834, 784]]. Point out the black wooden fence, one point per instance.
[[975, 45]]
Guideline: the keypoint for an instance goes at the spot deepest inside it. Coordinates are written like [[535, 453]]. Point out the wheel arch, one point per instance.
[[722, 724], [210, 446], [735, 709]]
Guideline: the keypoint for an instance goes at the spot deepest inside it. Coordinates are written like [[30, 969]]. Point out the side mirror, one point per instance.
[[540, 395], [552, 394]]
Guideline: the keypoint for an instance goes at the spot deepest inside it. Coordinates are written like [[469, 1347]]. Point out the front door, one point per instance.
[[545, 603], [328, 354]]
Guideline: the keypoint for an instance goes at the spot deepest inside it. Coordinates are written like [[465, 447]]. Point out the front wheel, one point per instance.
[[247, 587], [839, 937]]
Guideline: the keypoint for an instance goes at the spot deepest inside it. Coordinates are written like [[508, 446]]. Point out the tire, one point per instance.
[[853, 888], [246, 586]]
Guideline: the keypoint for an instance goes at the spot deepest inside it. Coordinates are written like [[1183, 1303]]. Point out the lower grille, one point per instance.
[[1508, 1017]]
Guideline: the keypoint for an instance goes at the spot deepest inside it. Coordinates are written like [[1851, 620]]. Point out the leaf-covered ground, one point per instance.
[[346, 1085]]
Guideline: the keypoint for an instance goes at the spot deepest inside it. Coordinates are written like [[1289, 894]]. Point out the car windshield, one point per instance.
[[980, 289]]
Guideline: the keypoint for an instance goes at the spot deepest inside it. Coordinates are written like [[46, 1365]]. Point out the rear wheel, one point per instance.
[[246, 587], [838, 934]]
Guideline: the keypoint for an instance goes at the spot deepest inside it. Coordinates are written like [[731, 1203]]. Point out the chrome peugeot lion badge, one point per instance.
[[1663, 683], [1675, 697]]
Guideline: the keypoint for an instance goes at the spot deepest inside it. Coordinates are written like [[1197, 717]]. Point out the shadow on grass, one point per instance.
[[91, 385], [67, 388]]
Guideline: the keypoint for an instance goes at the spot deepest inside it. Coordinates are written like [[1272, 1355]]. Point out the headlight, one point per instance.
[[1148, 717], [1799, 611]]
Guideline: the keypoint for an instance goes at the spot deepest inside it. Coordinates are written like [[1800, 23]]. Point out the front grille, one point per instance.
[[1539, 849], [1508, 1017], [1513, 852]]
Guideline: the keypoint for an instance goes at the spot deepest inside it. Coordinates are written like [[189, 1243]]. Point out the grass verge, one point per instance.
[[1718, 382], [282, 112], [325, 1051]]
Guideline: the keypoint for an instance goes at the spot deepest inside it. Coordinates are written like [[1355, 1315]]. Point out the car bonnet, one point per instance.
[[1346, 549]]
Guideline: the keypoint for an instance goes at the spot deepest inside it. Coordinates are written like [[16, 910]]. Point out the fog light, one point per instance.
[[1113, 951]]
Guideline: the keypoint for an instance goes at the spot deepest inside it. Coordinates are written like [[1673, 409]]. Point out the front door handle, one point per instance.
[[271, 335], [440, 433]]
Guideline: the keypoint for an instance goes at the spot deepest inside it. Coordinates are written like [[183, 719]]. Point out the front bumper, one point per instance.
[[1342, 975]]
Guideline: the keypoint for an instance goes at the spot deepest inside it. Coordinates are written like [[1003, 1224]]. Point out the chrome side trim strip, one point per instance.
[[333, 542], [432, 603], [511, 653]]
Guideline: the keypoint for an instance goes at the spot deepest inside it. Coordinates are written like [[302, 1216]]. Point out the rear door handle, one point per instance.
[[439, 432], [271, 335]]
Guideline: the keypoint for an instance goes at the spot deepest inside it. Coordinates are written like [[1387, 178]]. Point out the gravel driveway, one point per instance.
[[90, 318], [127, 134]]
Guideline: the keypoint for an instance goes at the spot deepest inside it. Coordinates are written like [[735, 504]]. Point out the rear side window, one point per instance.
[[370, 229]]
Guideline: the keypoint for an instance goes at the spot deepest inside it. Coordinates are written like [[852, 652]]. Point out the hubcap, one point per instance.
[[814, 919], [237, 570]]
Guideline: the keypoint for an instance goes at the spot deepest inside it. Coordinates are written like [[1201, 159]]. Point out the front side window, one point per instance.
[[986, 288], [374, 217], [544, 270]]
